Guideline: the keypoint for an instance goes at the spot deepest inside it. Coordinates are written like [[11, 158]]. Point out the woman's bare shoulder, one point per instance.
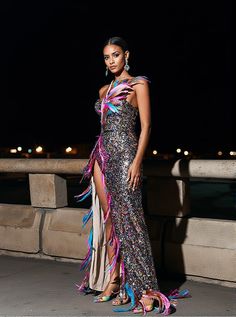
[[140, 83]]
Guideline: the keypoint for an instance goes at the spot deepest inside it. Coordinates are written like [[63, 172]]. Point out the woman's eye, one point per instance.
[[116, 55]]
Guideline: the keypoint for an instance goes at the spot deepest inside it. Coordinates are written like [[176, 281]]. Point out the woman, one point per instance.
[[120, 256]]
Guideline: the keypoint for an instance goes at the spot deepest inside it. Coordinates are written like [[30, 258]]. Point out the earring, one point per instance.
[[127, 67], [106, 72]]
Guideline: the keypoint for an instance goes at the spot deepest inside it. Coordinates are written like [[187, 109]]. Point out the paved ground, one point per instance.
[[30, 287]]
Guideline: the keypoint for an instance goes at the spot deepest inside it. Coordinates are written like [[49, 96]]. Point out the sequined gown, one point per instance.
[[114, 151]]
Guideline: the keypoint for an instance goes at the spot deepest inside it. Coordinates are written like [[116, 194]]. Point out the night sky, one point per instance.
[[52, 68]]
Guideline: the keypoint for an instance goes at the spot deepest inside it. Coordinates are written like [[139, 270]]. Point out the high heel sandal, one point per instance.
[[164, 305], [105, 298], [121, 299], [142, 307]]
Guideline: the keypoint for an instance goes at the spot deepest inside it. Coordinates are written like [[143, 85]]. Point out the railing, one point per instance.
[[225, 169], [42, 166]]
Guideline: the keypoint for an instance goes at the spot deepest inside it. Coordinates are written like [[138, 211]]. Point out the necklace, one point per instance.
[[117, 81], [121, 79]]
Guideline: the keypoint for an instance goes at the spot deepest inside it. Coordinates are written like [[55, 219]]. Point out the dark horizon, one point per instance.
[[53, 67]]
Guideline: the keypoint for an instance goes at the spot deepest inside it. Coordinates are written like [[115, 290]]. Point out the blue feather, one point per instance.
[[180, 294], [90, 243], [131, 295], [87, 217], [85, 195], [90, 239], [112, 107]]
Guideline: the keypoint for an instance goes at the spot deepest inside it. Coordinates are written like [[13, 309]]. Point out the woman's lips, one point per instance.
[[112, 67]]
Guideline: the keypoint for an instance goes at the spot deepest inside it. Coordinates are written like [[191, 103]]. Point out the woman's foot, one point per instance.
[[111, 290], [121, 299], [146, 304]]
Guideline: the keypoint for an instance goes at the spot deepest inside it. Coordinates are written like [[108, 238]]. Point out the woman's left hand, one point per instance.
[[134, 175]]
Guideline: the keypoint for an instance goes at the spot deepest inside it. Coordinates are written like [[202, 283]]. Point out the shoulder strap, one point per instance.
[[137, 78]]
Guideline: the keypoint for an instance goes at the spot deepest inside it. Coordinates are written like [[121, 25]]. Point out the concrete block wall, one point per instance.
[[47, 190], [63, 234], [55, 232], [168, 197], [201, 247], [19, 228], [193, 246]]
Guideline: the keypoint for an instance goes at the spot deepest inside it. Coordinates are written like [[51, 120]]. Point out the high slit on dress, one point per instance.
[[114, 151]]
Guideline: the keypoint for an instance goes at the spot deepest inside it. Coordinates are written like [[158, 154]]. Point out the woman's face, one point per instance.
[[114, 58]]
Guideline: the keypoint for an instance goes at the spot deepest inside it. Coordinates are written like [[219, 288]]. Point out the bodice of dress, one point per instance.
[[118, 119], [123, 120]]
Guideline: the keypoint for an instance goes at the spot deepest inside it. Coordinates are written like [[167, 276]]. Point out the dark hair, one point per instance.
[[116, 40]]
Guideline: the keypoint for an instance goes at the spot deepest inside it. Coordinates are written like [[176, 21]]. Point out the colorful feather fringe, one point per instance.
[[175, 294]]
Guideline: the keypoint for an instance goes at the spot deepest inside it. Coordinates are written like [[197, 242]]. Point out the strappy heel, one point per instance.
[[142, 307], [164, 305], [105, 298], [121, 299]]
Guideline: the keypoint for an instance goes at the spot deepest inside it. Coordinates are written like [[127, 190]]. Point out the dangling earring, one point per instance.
[[106, 72], [127, 67]]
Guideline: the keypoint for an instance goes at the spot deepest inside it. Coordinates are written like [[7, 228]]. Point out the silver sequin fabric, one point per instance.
[[118, 146]]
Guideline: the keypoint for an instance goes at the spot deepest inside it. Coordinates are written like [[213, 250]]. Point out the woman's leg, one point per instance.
[[104, 204]]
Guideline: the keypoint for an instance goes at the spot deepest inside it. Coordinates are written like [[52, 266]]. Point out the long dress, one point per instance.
[[114, 151]]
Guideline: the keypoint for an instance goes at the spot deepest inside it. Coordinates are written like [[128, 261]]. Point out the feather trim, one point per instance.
[[88, 257], [132, 297]]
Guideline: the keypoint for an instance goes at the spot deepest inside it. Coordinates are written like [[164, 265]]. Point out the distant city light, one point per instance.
[[154, 152], [13, 150], [232, 153], [39, 149], [219, 153], [186, 152], [178, 150], [19, 149], [68, 149], [29, 150]]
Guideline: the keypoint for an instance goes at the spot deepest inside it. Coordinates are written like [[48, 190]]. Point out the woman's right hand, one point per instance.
[[134, 175]]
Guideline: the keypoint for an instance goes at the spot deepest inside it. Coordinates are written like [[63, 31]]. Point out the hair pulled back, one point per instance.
[[119, 41]]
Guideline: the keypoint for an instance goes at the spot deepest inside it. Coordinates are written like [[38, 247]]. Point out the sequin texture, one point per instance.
[[114, 151]]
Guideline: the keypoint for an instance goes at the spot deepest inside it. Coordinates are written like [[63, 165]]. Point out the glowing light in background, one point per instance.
[[39, 149], [68, 149], [178, 150], [19, 148], [154, 152], [186, 153], [13, 150]]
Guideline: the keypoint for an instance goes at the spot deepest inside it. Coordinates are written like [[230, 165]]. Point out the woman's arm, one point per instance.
[[143, 101]]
